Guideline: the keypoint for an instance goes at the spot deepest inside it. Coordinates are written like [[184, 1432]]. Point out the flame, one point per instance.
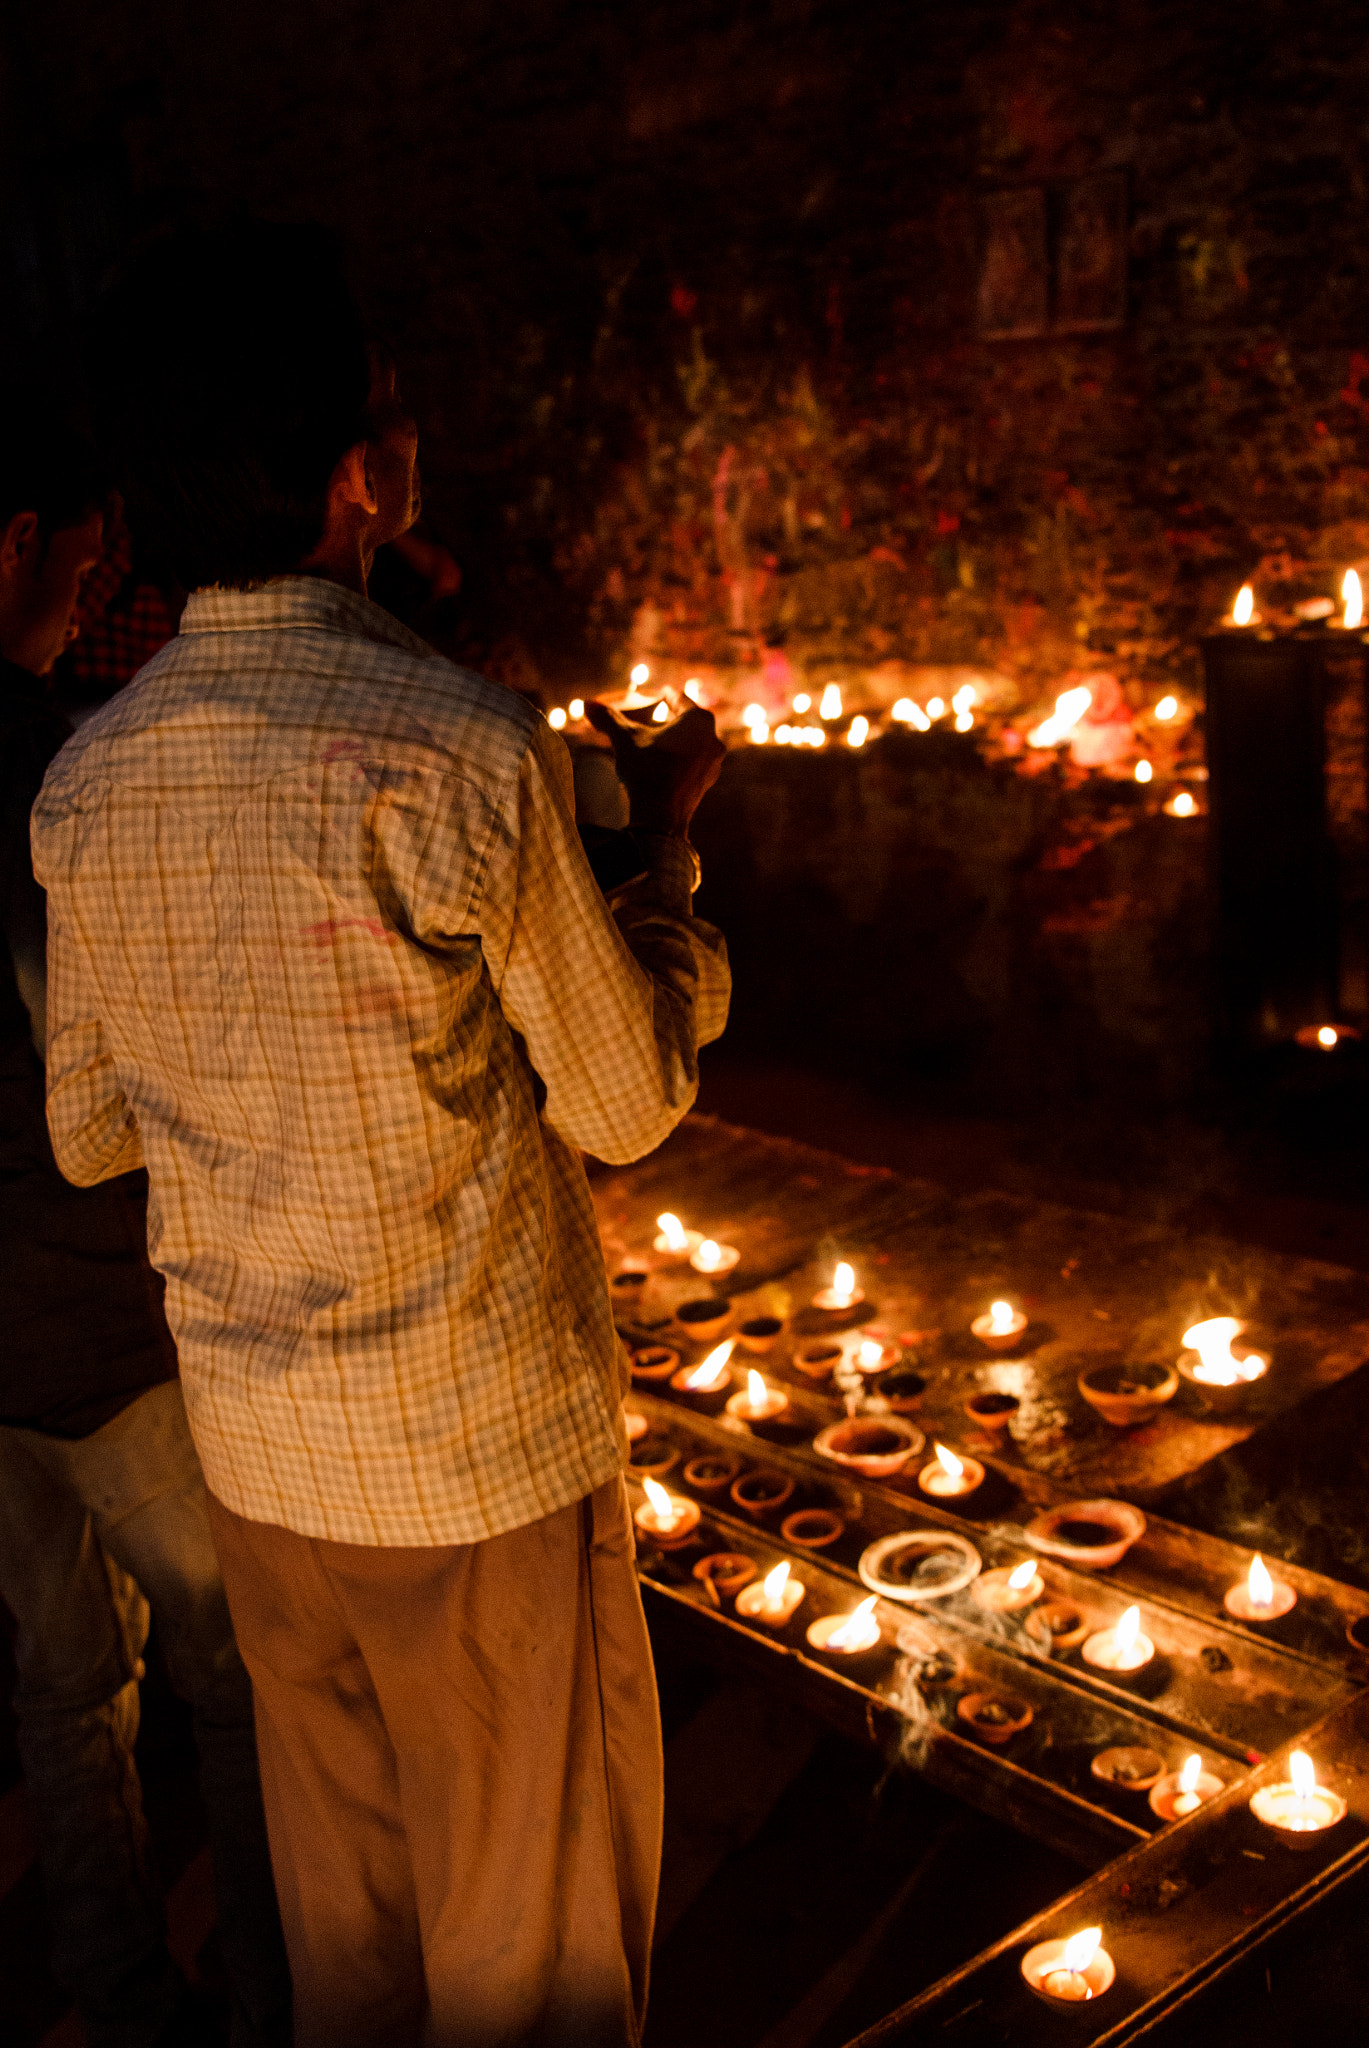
[[1168, 707], [662, 1506], [712, 1372], [1143, 771], [1243, 610], [1302, 1774], [1190, 1774], [556, 718], [754, 714], [909, 713], [859, 733], [1023, 1576], [1212, 1342], [1259, 1583], [757, 1393], [949, 1463], [830, 704], [1128, 1628], [639, 675], [708, 1257], [1069, 709], [693, 689], [759, 734], [1080, 1950], [1001, 1318], [1328, 1036], [774, 1583], [844, 1285], [802, 702], [661, 713], [854, 1631], [961, 705], [673, 1231], [935, 708], [577, 708], [1354, 599], [870, 1353], [1183, 805]]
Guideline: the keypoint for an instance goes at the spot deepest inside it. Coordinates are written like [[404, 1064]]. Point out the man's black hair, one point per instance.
[[233, 374], [47, 469]]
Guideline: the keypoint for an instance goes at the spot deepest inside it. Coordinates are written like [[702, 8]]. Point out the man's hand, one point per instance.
[[664, 769]]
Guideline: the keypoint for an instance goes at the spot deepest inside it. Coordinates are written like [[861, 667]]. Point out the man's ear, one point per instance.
[[17, 542], [350, 483]]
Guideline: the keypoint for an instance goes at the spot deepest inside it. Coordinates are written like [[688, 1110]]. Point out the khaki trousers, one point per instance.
[[461, 1760]]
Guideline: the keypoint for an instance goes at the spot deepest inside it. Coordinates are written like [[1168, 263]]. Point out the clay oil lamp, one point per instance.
[[1126, 1395], [949, 1477], [760, 1493], [877, 1446], [847, 1635], [665, 1518], [1243, 612], [714, 1258], [1299, 1811], [1000, 1326], [703, 1319], [757, 1402], [628, 1282], [706, 1384], [653, 1454], [774, 1599], [1068, 1973], [635, 1424], [652, 1361], [936, 1672], [992, 1411], [1125, 1770], [1258, 1597], [1121, 1651], [1209, 1364], [1179, 1793], [1006, 1592], [818, 1361], [673, 1241], [901, 1389], [919, 1564], [1094, 1534], [758, 1333], [1058, 1629], [723, 1575], [711, 1472], [994, 1717], [843, 1294], [812, 1528], [874, 1354]]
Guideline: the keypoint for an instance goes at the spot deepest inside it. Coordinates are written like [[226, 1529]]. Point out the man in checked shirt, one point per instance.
[[326, 956]]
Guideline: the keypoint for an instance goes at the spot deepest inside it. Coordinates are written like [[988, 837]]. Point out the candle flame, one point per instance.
[[1354, 599], [1070, 707], [870, 1353], [712, 1372], [708, 1257], [693, 689], [556, 718], [949, 1462], [639, 675], [774, 1583], [673, 1231], [935, 708], [859, 733], [1081, 1949], [909, 713], [802, 702], [1184, 805], [661, 713], [1243, 610], [577, 708], [663, 1507], [1260, 1585], [1143, 771], [1127, 1630], [1168, 707], [1328, 1036], [844, 1285], [1190, 1774], [759, 734], [756, 1389], [855, 1629], [1023, 1576], [754, 714], [830, 705], [1302, 1774], [1001, 1318], [1212, 1342]]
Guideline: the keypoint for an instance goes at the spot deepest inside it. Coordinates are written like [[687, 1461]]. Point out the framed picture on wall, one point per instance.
[[1013, 291], [1091, 255]]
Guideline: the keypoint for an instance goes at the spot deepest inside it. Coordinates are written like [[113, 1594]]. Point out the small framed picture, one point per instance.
[[1013, 297], [1091, 255]]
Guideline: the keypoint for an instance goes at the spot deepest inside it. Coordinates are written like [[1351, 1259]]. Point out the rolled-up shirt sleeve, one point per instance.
[[93, 1130], [612, 1005]]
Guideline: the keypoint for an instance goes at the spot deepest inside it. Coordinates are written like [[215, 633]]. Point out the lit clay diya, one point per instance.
[[714, 1258], [1128, 1395], [757, 1402], [673, 1241], [1258, 1597], [999, 1327], [812, 1528], [758, 1333], [877, 1446], [1069, 1973], [665, 1518], [1058, 1629], [1010, 1588], [1122, 1650], [711, 1473], [707, 1383], [818, 1361], [950, 1478], [773, 1599], [875, 1354], [851, 1635], [994, 1717], [761, 1493], [1127, 1769], [1209, 1364], [1299, 1811], [1093, 1533], [843, 1294], [652, 1361], [727, 1571], [992, 1411], [1180, 1793]]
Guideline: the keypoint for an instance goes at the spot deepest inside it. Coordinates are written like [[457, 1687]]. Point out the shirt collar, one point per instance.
[[296, 603]]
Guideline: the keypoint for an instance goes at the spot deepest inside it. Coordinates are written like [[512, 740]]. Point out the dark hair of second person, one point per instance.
[[232, 374]]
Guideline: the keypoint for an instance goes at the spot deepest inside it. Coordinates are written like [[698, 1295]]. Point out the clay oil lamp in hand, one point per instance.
[[847, 1635], [774, 1599], [758, 1403], [949, 1477], [673, 1241], [843, 1293], [1298, 1811], [1182, 1792], [1209, 1364], [1258, 1597], [1069, 1972], [708, 1379], [1122, 1651], [1005, 1592], [664, 1517], [714, 1258], [1000, 1326]]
